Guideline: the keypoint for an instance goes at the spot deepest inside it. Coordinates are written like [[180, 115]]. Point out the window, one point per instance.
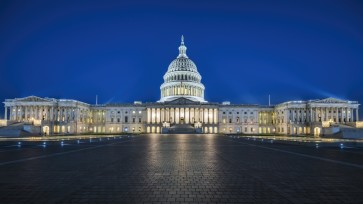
[[230, 112], [237, 112], [111, 120], [126, 119], [224, 112], [118, 112], [245, 129], [126, 112], [230, 120], [133, 120], [118, 120], [139, 120]]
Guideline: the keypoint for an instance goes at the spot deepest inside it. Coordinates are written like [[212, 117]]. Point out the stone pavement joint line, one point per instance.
[[304, 155], [60, 153]]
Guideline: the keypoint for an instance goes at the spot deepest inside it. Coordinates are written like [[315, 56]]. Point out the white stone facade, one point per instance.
[[181, 105]]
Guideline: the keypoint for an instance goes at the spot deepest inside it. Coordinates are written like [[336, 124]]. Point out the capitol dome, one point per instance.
[[182, 79]]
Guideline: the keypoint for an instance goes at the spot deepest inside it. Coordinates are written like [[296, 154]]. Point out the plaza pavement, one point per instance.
[[177, 169]]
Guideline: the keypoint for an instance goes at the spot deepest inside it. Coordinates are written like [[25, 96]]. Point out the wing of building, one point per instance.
[[181, 109]]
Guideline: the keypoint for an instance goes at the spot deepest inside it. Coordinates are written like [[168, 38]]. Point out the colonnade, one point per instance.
[[29, 113], [182, 90], [188, 115], [320, 114]]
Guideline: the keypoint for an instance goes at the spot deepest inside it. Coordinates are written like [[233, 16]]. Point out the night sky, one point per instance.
[[120, 50]]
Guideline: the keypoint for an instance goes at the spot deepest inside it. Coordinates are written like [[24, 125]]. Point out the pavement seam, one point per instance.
[[303, 155], [59, 153]]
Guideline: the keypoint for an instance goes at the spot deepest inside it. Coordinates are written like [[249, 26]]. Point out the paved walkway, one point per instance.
[[177, 169]]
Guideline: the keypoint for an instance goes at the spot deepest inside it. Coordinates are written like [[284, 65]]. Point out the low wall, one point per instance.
[[3, 123], [353, 133], [358, 124], [32, 129], [331, 130]]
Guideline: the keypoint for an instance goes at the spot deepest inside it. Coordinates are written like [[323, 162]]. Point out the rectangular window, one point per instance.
[[118, 120], [133, 120], [111, 120], [139, 120], [126, 119]]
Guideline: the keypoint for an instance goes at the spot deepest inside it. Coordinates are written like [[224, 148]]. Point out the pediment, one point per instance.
[[182, 101], [331, 100], [32, 99]]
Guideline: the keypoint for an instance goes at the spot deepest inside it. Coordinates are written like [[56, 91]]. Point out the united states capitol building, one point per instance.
[[182, 108]]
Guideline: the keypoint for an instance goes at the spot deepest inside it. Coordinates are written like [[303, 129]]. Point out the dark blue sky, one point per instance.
[[120, 50]]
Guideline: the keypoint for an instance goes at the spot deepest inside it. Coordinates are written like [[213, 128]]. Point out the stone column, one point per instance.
[[11, 113], [148, 112], [21, 113], [336, 115], [210, 116], [6, 113], [187, 116], [201, 113], [346, 115], [167, 115], [215, 116], [159, 115], [356, 116], [152, 115]]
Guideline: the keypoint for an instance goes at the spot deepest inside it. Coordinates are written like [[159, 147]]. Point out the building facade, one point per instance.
[[181, 108]]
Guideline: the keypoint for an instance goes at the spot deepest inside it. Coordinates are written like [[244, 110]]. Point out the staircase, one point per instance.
[[181, 129], [18, 130], [343, 131]]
